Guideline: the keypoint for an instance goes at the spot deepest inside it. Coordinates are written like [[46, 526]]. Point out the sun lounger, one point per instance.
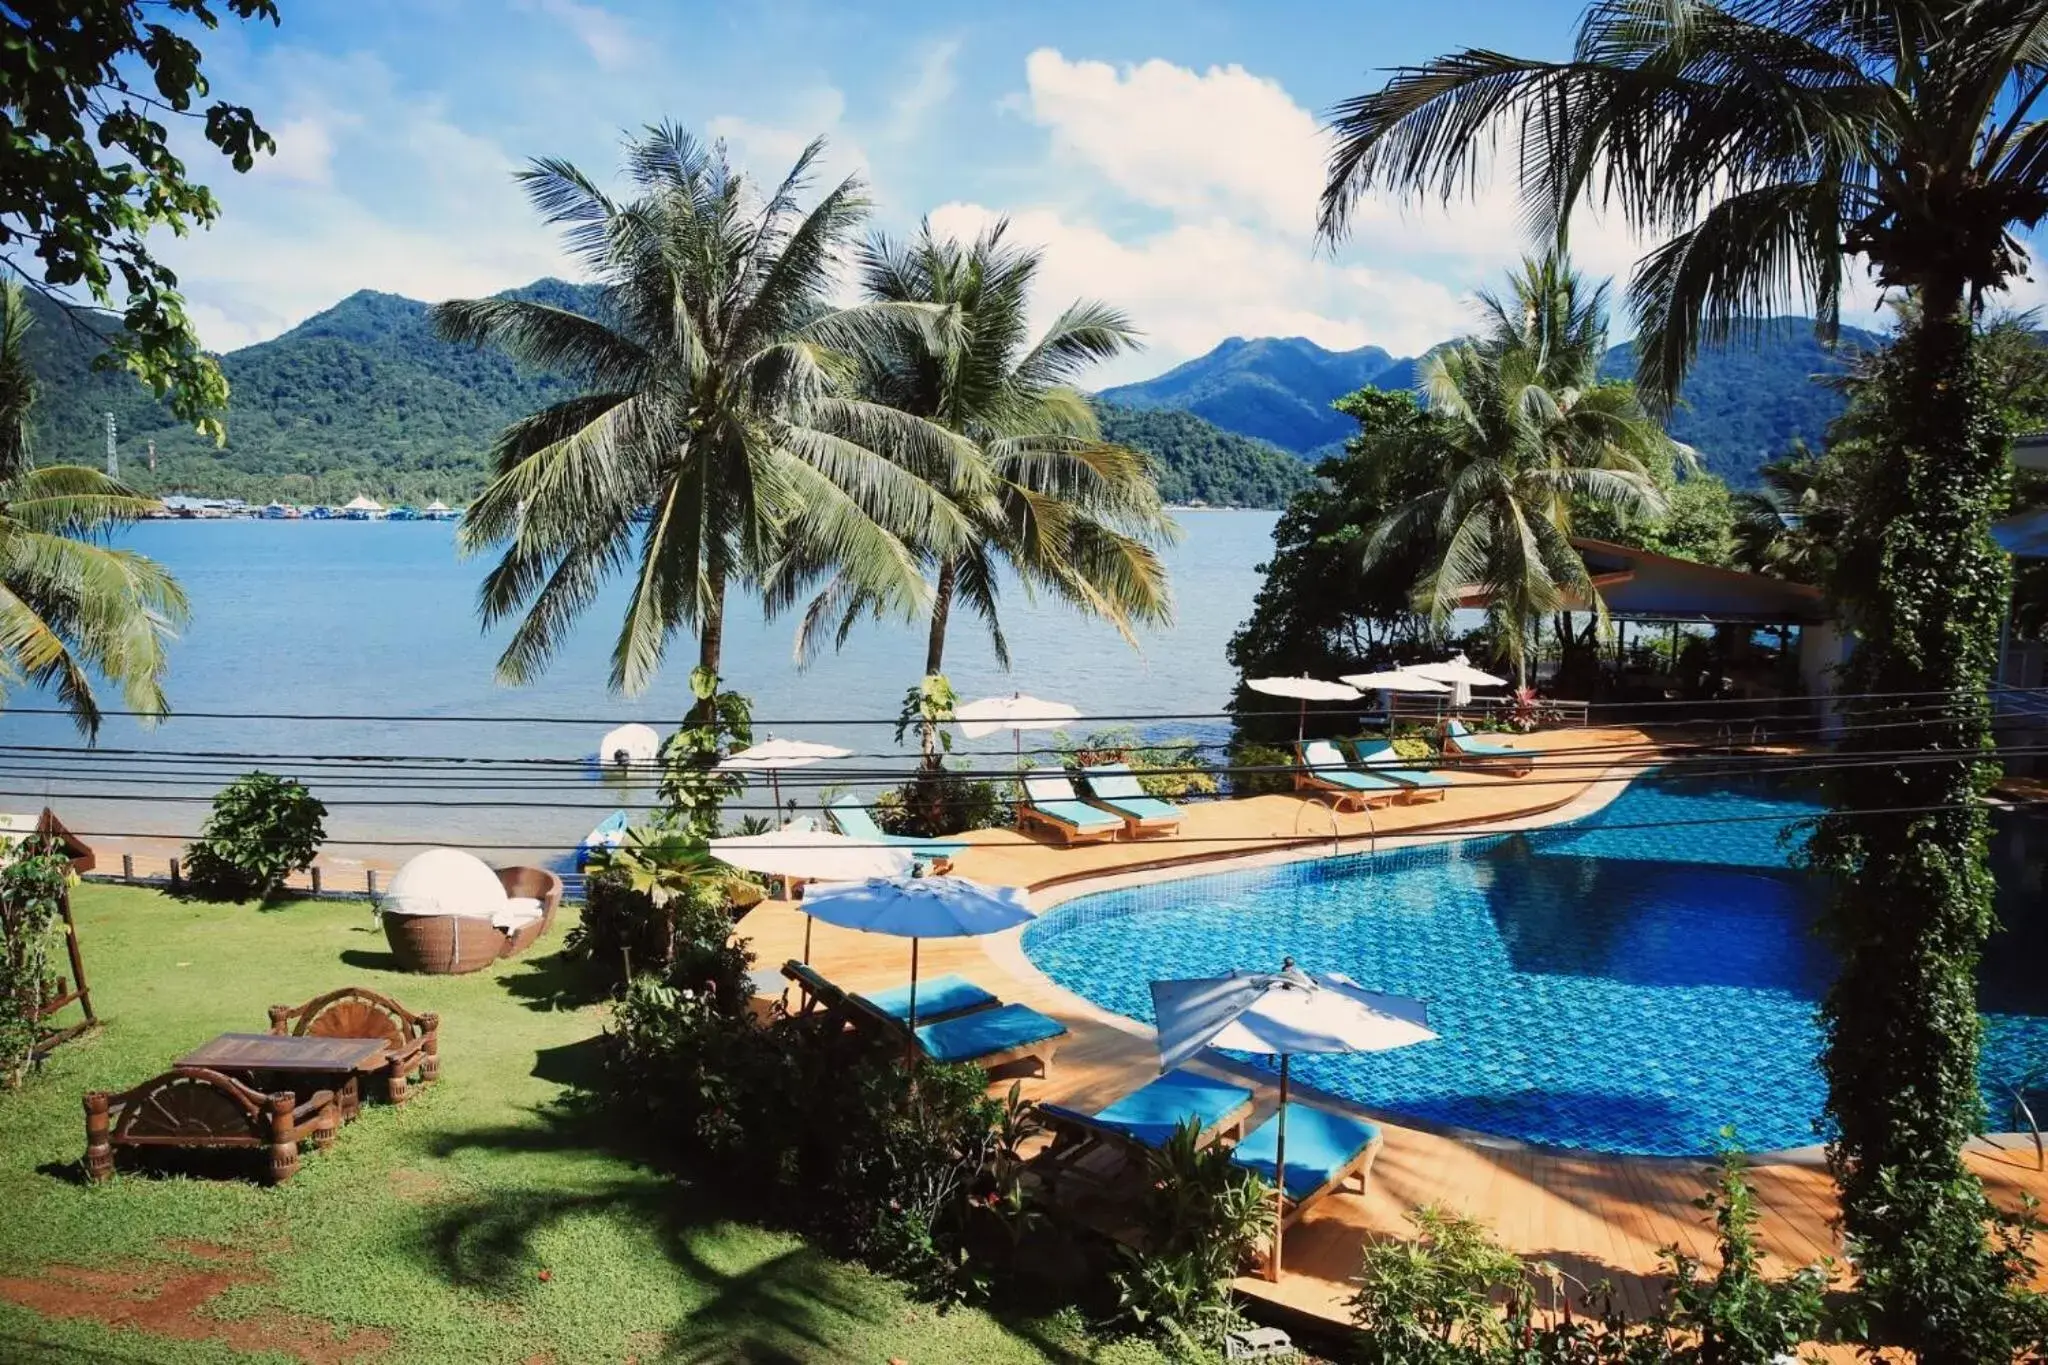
[[1146, 1118], [1324, 773], [936, 999], [1381, 761], [989, 1037], [1460, 742], [850, 816], [1115, 788], [1323, 1151], [1049, 800]]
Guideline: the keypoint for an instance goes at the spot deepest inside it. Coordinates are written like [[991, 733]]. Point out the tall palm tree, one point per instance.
[[1788, 527], [71, 605], [1772, 143], [717, 435], [1532, 435], [1067, 512]]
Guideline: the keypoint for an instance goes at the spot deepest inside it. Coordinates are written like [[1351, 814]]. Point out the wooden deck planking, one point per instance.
[[1598, 1217]]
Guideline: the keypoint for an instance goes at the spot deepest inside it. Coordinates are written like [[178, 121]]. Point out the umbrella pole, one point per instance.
[[807, 940], [1301, 722], [910, 1051], [1280, 1174], [775, 785]]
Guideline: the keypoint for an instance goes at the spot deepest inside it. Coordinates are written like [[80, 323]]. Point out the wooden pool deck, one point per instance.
[[1594, 1217]]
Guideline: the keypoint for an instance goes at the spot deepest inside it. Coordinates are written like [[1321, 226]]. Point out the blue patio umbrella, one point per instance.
[[918, 908]]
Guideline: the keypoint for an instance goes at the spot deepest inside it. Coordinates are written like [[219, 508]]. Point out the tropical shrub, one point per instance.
[[693, 787], [1246, 762], [1199, 1222], [948, 801], [1431, 1297], [32, 885], [262, 829], [1171, 769]]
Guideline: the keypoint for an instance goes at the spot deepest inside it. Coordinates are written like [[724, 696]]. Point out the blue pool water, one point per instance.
[[1631, 982]]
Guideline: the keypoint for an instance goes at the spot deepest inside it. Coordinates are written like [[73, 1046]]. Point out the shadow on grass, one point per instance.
[[576, 1064], [559, 981], [369, 960], [798, 1305]]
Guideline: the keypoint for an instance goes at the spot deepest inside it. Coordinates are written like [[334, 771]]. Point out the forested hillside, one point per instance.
[[363, 398]]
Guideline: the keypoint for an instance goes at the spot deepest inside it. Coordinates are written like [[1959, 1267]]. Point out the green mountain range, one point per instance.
[[364, 398], [1743, 403]]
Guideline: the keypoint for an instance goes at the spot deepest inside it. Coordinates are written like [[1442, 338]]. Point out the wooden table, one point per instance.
[[339, 1061]]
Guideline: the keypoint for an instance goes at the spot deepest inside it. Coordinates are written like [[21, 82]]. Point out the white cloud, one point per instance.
[[930, 87], [305, 153], [610, 42]]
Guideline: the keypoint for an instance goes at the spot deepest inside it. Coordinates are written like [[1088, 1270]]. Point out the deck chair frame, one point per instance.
[[1340, 797], [864, 1017]]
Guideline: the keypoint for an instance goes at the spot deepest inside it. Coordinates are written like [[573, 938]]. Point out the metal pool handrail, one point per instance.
[[1372, 828]]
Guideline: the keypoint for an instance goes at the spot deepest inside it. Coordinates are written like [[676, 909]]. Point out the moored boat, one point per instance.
[[609, 832]]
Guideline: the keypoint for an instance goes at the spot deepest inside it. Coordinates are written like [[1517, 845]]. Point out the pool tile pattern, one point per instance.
[[1633, 982]]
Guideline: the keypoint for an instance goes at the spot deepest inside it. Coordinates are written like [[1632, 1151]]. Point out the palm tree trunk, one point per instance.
[[711, 636], [1924, 590], [935, 658], [942, 611]]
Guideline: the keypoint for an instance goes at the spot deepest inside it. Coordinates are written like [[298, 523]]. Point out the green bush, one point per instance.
[[1200, 1220], [948, 801], [32, 887], [1171, 769], [1279, 762], [262, 829]]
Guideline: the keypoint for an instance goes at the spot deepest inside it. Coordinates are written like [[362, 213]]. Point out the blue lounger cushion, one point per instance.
[[1319, 1144], [1047, 791], [1383, 761], [987, 1032], [1328, 765], [1473, 744], [1117, 787], [1151, 1114], [939, 996], [855, 823]]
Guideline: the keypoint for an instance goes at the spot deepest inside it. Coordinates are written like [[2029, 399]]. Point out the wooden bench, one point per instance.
[[198, 1108], [412, 1041]]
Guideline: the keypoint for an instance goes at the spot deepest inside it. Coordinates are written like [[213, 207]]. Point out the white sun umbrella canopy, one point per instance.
[[1016, 713], [812, 855], [773, 755], [1460, 674], [629, 746], [919, 908], [1304, 690], [1281, 1013], [1389, 680]]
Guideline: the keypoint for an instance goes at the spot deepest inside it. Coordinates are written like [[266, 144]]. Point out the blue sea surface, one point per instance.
[[1630, 982], [380, 618]]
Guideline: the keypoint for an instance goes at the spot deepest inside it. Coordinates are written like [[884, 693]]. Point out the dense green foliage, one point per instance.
[[1453, 1295], [74, 610], [1773, 147], [32, 884], [262, 828], [1201, 1218], [1743, 401], [88, 168], [428, 1224], [1196, 461]]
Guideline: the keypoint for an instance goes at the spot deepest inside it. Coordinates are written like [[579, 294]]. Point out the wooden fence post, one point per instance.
[[315, 873], [370, 879], [174, 874], [127, 867]]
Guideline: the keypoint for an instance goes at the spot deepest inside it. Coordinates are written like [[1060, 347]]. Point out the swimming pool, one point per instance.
[[1634, 981]]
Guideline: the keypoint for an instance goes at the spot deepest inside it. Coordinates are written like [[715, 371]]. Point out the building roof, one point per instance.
[[2025, 535], [1641, 585]]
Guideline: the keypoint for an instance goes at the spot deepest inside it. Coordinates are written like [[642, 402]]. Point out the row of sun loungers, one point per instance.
[[959, 1021]]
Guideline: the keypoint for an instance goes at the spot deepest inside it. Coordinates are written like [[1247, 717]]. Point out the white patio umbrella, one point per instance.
[[1393, 680], [1016, 713], [1460, 674], [811, 855], [918, 908], [1281, 1012], [629, 745], [1305, 690], [773, 755]]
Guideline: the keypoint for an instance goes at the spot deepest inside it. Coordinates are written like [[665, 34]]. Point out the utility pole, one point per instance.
[[113, 455]]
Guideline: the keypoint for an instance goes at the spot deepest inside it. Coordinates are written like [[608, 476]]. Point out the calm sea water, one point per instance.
[[367, 618]]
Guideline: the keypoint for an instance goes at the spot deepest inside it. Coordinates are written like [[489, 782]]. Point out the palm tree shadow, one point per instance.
[[559, 981]]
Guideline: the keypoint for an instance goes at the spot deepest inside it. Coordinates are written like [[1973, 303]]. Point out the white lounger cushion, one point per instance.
[[1048, 784], [519, 912]]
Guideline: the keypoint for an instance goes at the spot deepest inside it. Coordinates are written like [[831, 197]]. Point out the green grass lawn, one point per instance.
[[424, 1233]]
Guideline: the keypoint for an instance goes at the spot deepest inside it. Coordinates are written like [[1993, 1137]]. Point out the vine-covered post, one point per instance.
[[693, 788], [1924, 589], [33, 924]]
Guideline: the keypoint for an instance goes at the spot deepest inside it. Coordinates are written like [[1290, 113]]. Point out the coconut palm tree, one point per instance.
[[1532, 434], [72, 606], [717, 435], [1789, 525], [1065, 511], [1770, 144]]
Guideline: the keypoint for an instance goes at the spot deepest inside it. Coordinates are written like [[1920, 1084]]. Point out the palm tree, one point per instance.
[[1789, 526], [1769, 143], [1067, 512], [72, 606], [717, 436], [1532, 434]]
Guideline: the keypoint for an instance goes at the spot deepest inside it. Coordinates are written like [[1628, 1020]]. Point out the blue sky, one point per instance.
[[1165, 156]]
